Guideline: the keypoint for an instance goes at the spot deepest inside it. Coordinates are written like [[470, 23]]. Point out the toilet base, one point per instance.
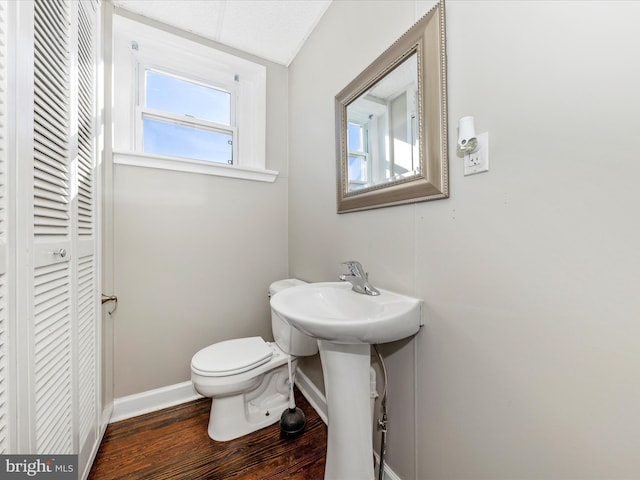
[[236, 415]]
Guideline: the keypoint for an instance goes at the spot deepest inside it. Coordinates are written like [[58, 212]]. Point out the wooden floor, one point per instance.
[[173, 444]]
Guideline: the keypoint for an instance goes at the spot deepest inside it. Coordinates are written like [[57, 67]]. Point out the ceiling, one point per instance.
[[272, 29]]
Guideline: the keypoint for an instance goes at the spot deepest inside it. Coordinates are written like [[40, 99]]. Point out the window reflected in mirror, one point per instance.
[[382, 128]]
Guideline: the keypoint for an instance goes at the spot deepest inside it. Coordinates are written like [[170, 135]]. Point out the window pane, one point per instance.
[[171, 94], [356, 138], [181, 141], [357, 169]]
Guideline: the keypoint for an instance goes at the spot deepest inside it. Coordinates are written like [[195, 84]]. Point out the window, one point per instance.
[[187, 119], [358, 156], [183, 105]]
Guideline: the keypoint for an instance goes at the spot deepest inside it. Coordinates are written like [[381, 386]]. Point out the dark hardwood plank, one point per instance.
[[172, 444]]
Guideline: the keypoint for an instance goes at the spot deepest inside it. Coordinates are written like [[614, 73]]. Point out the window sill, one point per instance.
[[193, 166]]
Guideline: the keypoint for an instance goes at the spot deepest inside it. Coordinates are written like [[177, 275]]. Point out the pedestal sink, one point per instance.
[[346, 323]]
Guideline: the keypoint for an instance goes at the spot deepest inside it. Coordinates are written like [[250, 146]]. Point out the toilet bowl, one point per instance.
[[247, 378]]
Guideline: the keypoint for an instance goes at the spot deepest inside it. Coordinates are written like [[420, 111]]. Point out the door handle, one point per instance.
[[110, 298]]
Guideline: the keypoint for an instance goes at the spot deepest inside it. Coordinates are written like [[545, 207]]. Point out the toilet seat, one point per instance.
[[231, 357]]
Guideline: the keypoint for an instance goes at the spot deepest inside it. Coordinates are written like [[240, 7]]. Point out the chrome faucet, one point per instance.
[[358, 278]]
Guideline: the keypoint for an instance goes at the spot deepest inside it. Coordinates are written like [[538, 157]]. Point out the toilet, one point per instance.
[[247, 378]]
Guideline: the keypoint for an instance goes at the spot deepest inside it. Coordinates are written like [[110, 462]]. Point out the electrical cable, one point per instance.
[[382, 423]]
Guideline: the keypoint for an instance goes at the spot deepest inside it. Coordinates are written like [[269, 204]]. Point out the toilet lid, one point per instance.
[[231, 357]]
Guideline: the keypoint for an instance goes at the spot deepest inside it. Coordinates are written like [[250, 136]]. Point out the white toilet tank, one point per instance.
[[290, 340]]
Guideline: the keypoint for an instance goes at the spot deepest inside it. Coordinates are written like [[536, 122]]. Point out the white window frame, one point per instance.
[[138, 47], [363, 155], [142, 111]]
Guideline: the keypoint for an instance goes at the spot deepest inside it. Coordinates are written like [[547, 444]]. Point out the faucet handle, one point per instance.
[[358, 278], [355, 268]]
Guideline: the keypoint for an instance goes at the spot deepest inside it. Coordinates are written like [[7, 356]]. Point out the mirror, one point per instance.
[[391, 137]]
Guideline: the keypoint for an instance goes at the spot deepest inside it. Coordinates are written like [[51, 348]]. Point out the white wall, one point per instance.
[[194, 256], [529, 363]]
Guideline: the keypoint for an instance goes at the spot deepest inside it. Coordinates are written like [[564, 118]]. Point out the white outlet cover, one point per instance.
[[478, 161]]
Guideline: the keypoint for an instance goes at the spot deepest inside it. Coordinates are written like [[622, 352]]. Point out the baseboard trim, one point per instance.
[[313, 395], [152, 400], [388, 473]]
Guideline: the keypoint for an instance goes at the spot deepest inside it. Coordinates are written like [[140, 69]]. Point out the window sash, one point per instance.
[[225, 89], [142, 112], [147, 113]]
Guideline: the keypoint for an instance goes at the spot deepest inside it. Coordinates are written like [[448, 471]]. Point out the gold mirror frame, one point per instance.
[[427, 39]]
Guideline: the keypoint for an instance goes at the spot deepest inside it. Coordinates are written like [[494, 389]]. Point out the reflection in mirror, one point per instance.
[[391, 123], [382, 129]]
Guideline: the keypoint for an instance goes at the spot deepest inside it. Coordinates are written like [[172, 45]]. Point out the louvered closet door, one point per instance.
[[64, 332], [51, 330]]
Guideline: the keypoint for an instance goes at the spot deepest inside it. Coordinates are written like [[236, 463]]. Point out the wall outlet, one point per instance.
[[478, 161]]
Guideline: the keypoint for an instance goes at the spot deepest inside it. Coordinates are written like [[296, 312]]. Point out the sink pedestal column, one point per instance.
[[348, 391]]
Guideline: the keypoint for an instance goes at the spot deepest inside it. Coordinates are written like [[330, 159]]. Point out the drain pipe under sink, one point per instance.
[[382, 422]]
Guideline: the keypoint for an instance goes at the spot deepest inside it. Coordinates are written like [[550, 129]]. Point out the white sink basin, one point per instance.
[[332, 311]]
